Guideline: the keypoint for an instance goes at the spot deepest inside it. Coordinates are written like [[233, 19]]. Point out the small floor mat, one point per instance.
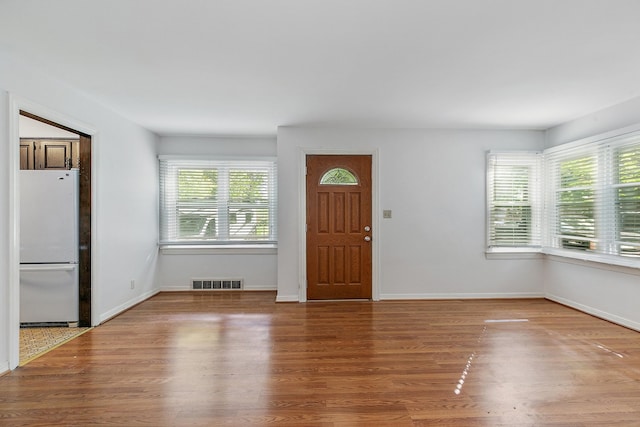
[[36, 341]]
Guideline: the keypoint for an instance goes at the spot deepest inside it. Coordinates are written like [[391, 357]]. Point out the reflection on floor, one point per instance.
[[35, 342]]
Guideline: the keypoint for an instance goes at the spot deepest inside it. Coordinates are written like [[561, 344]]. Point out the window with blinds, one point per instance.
[[513, 200], [217, 202], [626, 192], [593, 196], [574, 175]]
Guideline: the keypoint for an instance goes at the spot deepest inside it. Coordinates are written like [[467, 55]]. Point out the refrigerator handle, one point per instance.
[[48, 267]]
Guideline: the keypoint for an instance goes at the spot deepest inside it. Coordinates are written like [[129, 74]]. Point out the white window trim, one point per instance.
[[526, 158], [235, 249], [593, 257]]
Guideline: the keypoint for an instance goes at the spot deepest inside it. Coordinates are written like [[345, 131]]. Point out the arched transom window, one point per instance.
[[338, 176]]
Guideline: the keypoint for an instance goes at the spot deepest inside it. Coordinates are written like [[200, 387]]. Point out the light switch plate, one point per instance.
[[386, 213]]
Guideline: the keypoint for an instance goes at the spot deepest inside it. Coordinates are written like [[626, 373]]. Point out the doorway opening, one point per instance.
[[47, 145]]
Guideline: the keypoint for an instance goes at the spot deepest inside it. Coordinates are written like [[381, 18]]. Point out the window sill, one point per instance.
[[585, 258], [513, 253], [615, 263], [218, 249]]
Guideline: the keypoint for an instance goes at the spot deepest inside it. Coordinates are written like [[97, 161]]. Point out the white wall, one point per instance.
[[4, 232], [257, 267], [30, 128], [230, 146], [606, 291], [124, 193], [609, 119], [434, 182]]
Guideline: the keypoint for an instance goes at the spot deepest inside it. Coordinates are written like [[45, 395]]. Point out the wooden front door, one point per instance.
[[338, 226]]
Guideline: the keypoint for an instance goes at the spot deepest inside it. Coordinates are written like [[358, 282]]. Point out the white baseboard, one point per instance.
[[175, 288], [595, 312], [287, 298], [434, 296], [261, 288], [122, 307], [4, 367], [462, 296]]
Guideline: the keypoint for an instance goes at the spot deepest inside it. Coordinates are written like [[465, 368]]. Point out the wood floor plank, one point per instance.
[[238, 358]]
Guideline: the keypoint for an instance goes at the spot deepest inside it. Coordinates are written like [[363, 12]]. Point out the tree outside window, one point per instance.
[[575, 201]]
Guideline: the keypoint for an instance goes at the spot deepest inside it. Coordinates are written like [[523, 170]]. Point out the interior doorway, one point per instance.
[[60, 154], [339, 226]]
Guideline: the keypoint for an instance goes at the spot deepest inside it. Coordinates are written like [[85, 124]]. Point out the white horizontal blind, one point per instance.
[[513, 199], [593, 196], [626, 196], [572, 176], [217, 201]]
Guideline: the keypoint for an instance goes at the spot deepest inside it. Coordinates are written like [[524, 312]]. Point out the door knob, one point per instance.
[[367, 238], [367, 228]]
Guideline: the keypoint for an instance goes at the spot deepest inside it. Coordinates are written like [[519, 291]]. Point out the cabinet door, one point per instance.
[[53, 154], [26, 154], [75, 154]]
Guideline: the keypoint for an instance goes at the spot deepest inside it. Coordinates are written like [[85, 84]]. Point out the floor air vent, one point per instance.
[[217, 284]]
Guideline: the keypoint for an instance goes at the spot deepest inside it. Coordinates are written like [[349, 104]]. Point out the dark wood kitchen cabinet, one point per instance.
[[48, 153], [26, 154]]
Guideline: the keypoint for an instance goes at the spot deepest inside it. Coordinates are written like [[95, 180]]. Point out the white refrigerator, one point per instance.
[[49, 246]]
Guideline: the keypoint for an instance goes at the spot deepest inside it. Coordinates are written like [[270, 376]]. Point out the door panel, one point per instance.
[[48, 216], [52, 154], [26, 154], [48, 293], [49, 153], [338, 256]]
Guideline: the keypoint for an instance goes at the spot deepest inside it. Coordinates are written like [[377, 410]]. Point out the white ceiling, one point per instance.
[[247, 66]]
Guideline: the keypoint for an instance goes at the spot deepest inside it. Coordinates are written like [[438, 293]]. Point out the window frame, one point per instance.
[[616, 186], [607, 219], [553, 162], [531, 160], [169, 202]]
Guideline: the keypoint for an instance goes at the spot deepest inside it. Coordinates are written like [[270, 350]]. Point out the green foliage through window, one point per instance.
[[575, 203], [197, 184], [628, 200]]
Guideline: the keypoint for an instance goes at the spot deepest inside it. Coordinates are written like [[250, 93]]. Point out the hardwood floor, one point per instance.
[[208, 359]]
